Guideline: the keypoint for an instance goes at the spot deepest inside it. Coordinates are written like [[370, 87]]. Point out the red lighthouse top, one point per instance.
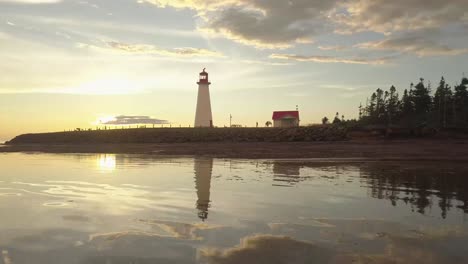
[[203, 77]]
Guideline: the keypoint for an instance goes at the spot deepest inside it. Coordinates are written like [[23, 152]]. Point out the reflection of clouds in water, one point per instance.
[[11, 194], [136, 245], [180, 230], [268, 249], [111, 204], [39, 241], [76, 218], [442, 246], [446, 247], [112, 198], [380, 241], [6, 257], [337, 241]]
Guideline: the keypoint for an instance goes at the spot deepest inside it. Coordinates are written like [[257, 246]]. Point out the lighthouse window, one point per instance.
[[202, 77]]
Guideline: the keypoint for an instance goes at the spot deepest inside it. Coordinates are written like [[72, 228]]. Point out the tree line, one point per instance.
[[447, 107]]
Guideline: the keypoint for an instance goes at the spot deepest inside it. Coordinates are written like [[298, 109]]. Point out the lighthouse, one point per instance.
[[203, 116]]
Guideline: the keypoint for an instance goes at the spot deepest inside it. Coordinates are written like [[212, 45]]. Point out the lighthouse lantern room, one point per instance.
[[203, 77]]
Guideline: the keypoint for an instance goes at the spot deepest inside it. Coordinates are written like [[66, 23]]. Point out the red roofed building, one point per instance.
[[286, 118]]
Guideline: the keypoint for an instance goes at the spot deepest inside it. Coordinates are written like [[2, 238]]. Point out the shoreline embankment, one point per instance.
[[186, 135], [315, 142]]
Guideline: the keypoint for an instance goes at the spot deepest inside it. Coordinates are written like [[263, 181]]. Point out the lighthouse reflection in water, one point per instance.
[[203, 168]]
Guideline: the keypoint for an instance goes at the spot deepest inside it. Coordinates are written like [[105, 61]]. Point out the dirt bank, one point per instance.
[[365, 149]]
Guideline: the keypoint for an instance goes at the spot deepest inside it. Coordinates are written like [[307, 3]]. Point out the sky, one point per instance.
[[67, 64]]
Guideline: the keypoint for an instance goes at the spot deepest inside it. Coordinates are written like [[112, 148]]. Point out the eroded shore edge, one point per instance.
[[357, 150]]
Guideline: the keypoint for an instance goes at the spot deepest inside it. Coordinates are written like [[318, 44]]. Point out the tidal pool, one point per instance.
[[67, 208]]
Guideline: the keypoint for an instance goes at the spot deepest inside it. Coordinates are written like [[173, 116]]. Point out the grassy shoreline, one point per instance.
[[184, 135]]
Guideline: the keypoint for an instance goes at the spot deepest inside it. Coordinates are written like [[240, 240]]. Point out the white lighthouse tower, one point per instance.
[[203, 116]]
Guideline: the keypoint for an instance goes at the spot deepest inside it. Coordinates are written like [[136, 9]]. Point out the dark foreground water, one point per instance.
[[115, 209]]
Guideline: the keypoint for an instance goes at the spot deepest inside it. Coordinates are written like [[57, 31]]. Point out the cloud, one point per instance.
[[335, 48], [150, 49], [282, 24], [134, 120], [192, 4], [330, 59], [154, 50], [418, 43], [263, 62], [276, 25], [259, 23], [398, 15], [88, 4], [31, 1]]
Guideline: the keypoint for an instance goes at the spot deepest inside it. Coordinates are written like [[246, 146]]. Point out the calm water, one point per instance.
[[138, 209]]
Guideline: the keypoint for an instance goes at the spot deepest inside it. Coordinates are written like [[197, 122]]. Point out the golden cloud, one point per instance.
[[330, 59]]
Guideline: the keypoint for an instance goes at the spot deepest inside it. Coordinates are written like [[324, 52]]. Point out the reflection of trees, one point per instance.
[[421, 185], [203, 168], [418, 185]]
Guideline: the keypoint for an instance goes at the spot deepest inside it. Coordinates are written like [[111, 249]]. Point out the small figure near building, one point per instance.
[[286, 119]]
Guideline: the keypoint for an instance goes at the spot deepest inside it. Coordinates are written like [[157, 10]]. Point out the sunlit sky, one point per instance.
[[67, 63]]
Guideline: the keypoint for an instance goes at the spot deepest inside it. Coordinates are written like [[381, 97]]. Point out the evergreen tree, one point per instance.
[[392, 105], [422, 101], [442, 103], [371, 108], [380, 106], [360, 111], [461, 103], [417, 106], [407, 107]]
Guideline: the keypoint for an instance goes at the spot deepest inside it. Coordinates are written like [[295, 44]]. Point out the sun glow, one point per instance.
[[106, 162], [104, 119]]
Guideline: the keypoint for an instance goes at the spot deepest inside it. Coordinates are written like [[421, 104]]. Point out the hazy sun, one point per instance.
[[106, 162], [104, 119]]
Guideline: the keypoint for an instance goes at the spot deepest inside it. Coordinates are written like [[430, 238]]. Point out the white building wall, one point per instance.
[[203, 116], [286, 123]]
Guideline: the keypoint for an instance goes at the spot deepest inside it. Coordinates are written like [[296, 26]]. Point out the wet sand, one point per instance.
[[366, 149]]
